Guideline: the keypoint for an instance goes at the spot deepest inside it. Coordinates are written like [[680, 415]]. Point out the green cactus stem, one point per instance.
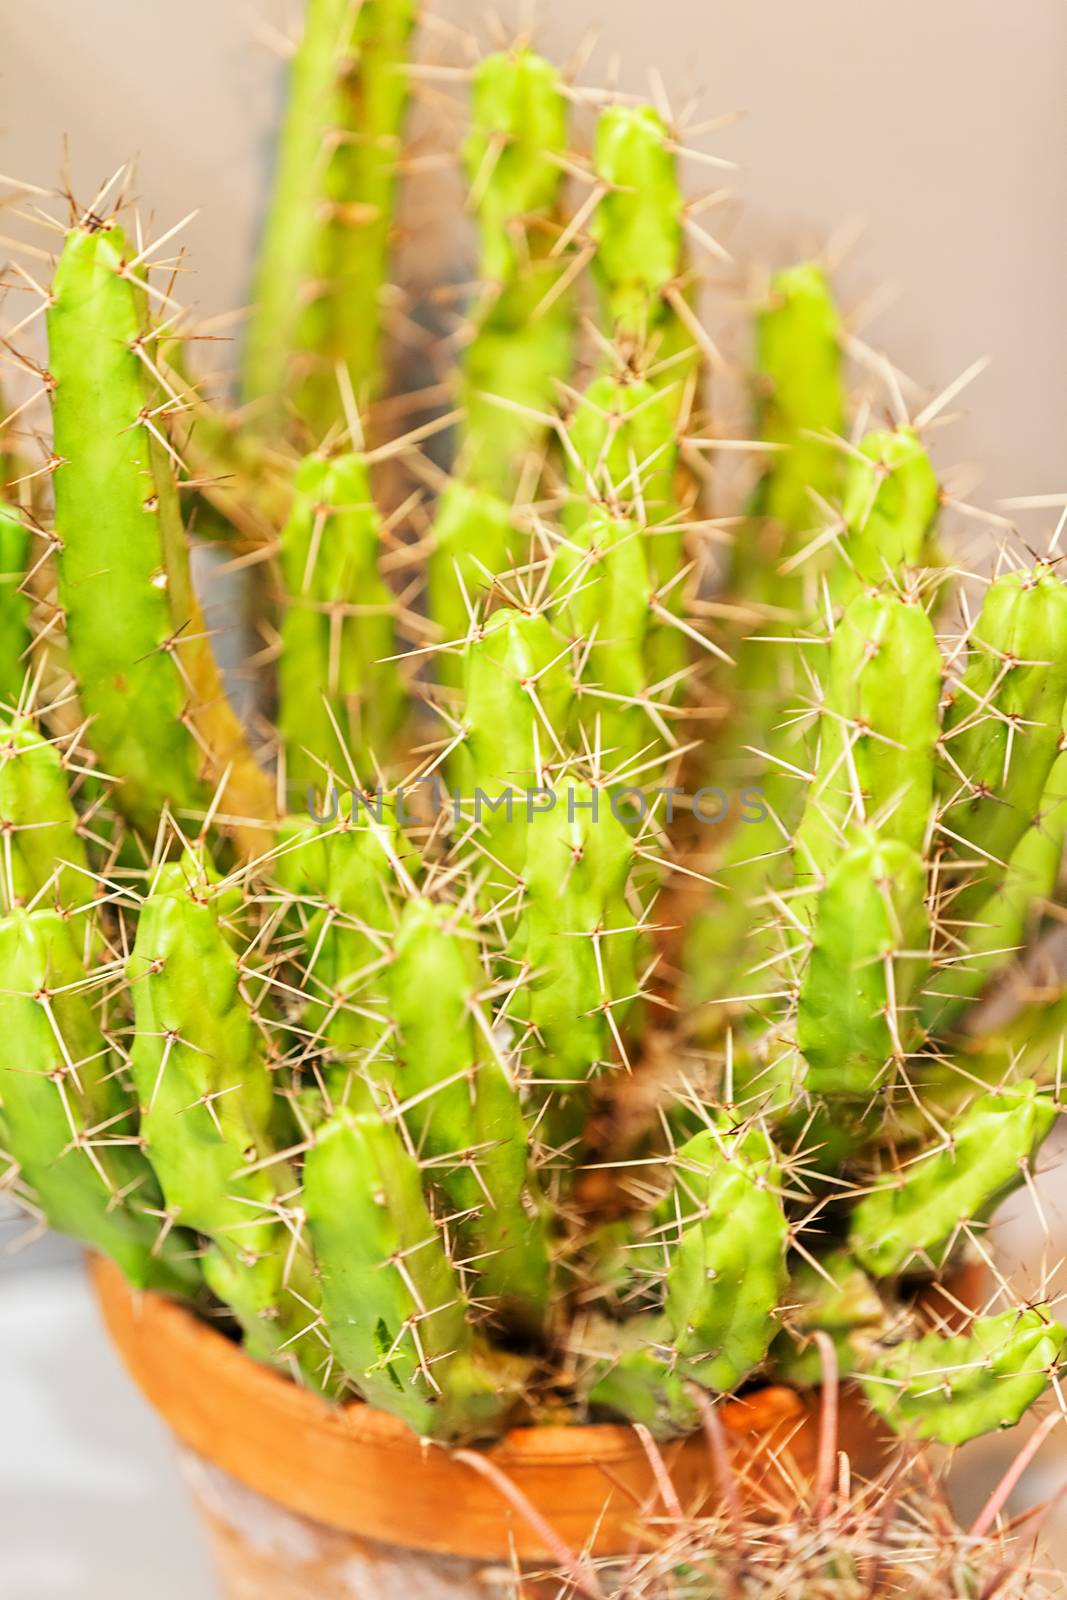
[[208, 1118], [15, 604], [521, 344], [981, 951], [463, 1110], [394, 1308], [324, 257], [43, 848], [855, 1013], [522, 339], [517, 691], [343, 882], [876, 745], [800, 408], [602, 588], [138, 649], [640, 241], [801, 403], [1002, 732], [577, 941], [623, 458], [69, 1121], [914, 1215], [955, 1389], [725, 1244], [474, 540], [889, 505], [339, 691]]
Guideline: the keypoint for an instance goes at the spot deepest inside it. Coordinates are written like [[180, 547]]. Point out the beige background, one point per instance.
[[940, 121]]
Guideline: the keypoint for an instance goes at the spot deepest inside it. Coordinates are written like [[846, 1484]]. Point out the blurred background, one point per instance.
[[940, 128]]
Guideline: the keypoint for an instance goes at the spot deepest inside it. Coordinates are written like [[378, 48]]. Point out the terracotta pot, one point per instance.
[[306, 1500]]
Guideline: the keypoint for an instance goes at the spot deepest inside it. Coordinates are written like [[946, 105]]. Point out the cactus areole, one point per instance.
[[567, 1005]]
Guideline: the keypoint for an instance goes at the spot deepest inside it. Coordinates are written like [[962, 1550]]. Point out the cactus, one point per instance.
[[15, 636], [854, 1016], [516, 691], [393, 1300], [1002, 729], [522, 338], [638, 232], [324, 258], [44, 851], [146, 677], [954, 1389], [465, 1092], [876, 747], [461, 1104], [207, 1115], [343, 887], [726, 1271], [576, 941], [521, 343], [338, 701], [69, 1117], [911, 1216], [1009, 913]]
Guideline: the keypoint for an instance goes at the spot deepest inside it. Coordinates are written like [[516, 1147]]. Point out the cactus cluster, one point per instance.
[[432, 1037]]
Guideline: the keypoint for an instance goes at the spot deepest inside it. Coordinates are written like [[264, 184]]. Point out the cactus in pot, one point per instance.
[[340, 1036]]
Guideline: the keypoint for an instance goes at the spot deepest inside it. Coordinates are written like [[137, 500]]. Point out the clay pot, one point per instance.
[[304, 1500]]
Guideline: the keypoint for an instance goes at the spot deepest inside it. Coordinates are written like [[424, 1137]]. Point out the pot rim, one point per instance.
[[361, 1471]]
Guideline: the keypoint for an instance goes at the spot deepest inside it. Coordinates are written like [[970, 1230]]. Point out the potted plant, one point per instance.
[[567, 1008]]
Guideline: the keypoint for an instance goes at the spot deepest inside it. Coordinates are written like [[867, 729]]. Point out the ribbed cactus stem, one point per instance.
[[577, 941], [800, 398], [640, 241], [159, 719], [890, 503], [983, 949], [876, 746], [914, 1216], [953, 1389], [340, 695], [394, 1308], [724, 1234], [15, 603], [623, 449], [324, 258], [718, 1241], [855, 1013], [342, 884], [70, 1122], [44, 855], [622, 454], [204, 1086], [462, 1106], [521, 344], [523, 328], [602, 589], [474, 541], [517, 693], [1002, 731]]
